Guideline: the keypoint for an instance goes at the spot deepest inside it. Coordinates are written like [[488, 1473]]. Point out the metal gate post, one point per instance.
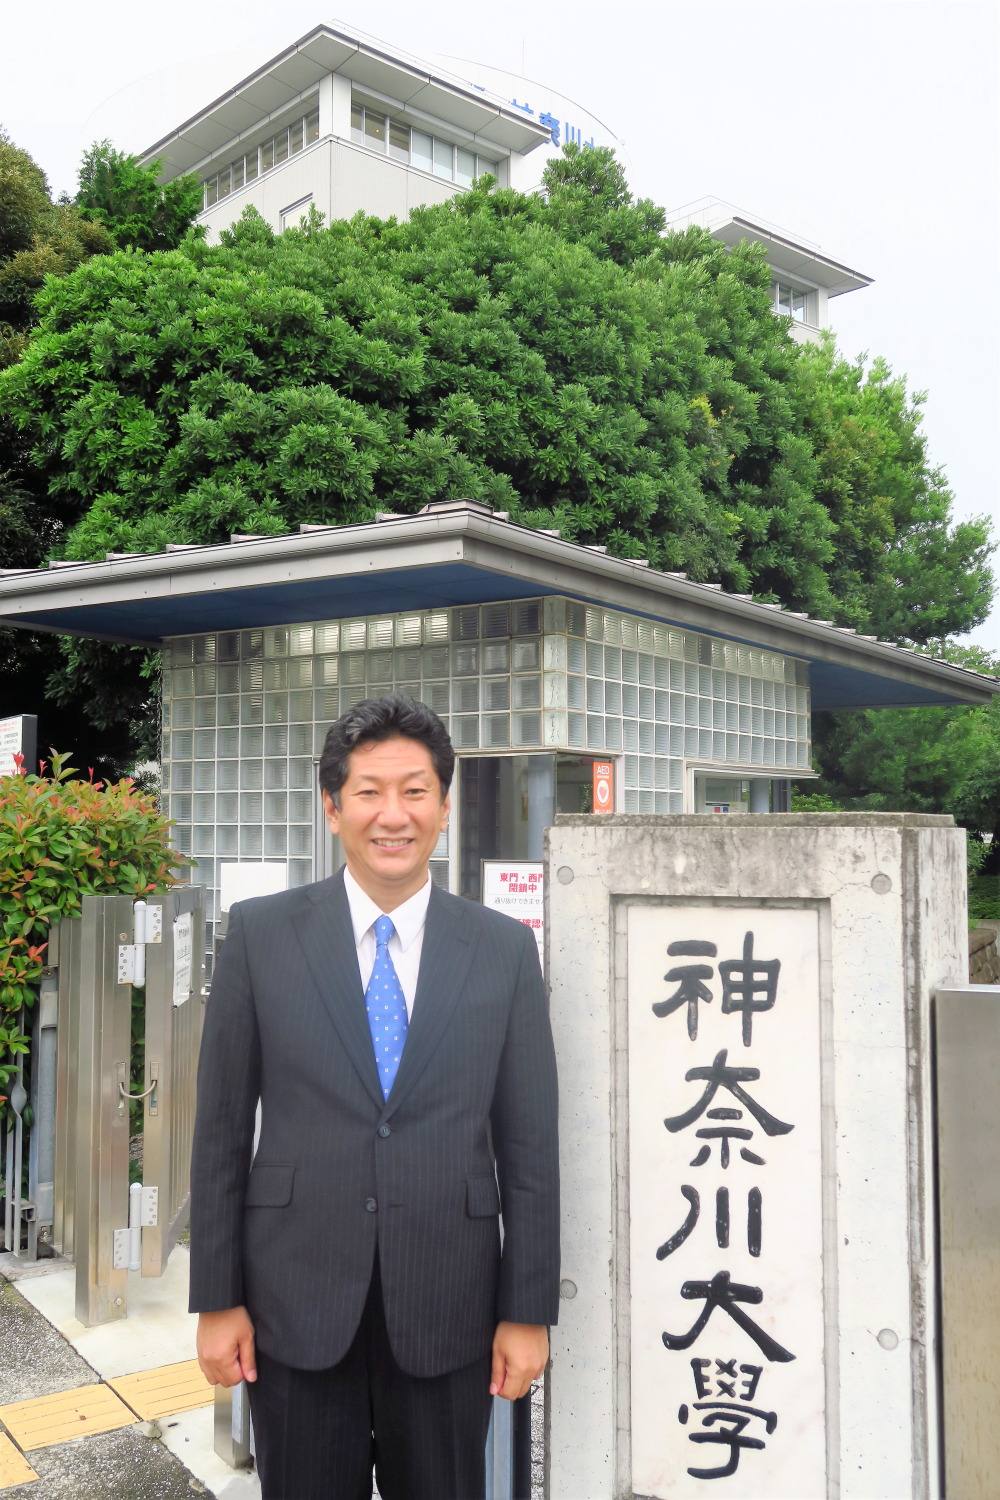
[[67, 1053], [14, 1151], [42, 1139], [174, 963], [100, 1139]]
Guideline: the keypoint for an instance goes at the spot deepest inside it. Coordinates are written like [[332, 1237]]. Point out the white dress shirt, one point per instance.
[[406, 943]]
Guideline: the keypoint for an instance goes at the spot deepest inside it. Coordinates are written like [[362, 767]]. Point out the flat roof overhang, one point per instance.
[[453, 554], [251, 102], [798, 260]]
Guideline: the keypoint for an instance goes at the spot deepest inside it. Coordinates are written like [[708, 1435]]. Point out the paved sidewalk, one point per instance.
[[117, 1412], [120, 1411]]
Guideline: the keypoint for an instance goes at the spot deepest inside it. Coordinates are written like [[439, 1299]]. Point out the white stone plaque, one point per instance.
[[517, 887], [183, 956], [727, 1312]]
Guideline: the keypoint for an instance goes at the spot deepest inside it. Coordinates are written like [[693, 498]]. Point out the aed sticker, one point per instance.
[[604, 786]]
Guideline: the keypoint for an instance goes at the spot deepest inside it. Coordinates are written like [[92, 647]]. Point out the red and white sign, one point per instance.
[[604, 786], [517, 887]]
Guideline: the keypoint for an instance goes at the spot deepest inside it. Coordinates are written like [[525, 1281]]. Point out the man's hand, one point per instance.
[[520, 1354], [225, 1346]]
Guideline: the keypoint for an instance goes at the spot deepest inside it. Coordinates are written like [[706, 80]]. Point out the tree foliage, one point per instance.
[[108, 711], [553, 354], [138, 211], [38, 238]]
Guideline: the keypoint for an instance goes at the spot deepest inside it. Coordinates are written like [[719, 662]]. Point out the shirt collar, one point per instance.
[[408, 918]]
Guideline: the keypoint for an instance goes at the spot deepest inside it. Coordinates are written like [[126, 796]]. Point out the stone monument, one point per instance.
[[741, 1013]]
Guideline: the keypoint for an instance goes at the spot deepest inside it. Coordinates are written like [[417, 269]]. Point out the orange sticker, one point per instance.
[[604, 786]]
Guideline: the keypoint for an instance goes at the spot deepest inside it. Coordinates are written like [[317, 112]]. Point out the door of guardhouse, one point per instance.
[[506, 802]]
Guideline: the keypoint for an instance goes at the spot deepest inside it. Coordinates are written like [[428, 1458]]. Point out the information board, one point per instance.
[[517, 888], [183, 956], [18, 736]]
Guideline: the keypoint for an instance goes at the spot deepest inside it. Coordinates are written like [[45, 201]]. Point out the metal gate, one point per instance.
[[78, 1153], [174, 1012]]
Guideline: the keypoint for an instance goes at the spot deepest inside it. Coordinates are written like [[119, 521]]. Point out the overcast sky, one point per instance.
[[868, 127]]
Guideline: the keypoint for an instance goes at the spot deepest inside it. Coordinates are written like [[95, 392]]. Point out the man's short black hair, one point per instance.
[[394, 716]]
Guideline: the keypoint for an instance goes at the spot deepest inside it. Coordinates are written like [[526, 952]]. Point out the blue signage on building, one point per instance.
[[555, 127]]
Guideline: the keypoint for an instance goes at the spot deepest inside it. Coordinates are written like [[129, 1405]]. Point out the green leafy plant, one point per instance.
[[136, 209], [60, 839]]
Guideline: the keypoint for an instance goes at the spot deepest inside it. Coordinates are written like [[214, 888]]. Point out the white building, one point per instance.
[[342, 122], [804, 278]]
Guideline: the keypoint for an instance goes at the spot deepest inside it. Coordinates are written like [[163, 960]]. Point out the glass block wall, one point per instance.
[[245, 712]]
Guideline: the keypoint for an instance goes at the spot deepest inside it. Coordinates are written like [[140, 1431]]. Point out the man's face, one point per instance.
[[390, 818]]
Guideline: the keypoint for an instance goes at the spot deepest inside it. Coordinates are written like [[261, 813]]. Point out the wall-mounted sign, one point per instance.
[[241, 879], [563, 118], [517, 887], [604, 786], [728, 1375], [18, 736], [183, 956]]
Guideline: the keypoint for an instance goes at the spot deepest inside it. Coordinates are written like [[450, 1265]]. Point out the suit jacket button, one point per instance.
[[371, 1205], [384, 1130]]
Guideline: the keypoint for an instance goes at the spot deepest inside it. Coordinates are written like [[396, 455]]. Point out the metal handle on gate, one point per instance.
[[150, 1093], [144, 1095]]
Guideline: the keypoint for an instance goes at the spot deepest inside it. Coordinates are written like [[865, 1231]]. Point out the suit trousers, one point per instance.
[[319, 1433]]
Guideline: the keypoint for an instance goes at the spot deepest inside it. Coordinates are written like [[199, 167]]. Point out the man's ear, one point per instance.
[[332, 813]]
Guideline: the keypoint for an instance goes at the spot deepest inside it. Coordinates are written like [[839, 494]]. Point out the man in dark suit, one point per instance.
[[397, 1039]]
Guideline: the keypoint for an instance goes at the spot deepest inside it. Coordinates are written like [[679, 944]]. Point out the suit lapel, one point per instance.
[[327, 937], [445, 959]]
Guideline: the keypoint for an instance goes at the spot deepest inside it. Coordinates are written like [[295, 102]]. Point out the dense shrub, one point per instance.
[[60, 839]]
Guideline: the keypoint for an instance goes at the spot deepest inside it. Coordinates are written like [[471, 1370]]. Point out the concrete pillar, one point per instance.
[[760, 794], [335, 106], [541, 801], [759, 1239]]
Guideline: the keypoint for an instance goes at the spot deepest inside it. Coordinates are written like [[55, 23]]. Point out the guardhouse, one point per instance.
[[541, 655]]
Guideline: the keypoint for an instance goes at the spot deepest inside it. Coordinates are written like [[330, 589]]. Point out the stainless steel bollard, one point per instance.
[[233, 1433]]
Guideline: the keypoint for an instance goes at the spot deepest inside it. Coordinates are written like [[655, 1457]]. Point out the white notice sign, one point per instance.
[[17, 737], [183, 956], [725, 1194], [517, 888]]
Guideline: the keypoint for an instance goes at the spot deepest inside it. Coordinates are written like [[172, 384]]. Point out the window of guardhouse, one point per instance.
[[245, 713]]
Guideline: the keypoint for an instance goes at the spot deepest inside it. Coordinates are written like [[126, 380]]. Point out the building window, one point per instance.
[[269, 154], [290, 217], [381, 133], [789, 302]]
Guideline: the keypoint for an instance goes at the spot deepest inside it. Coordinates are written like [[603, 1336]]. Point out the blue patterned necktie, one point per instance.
[[386, 1006]]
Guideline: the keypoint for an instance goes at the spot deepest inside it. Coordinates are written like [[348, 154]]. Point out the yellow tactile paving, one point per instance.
[[14, 1467], [166, 1391], [70, 1414]]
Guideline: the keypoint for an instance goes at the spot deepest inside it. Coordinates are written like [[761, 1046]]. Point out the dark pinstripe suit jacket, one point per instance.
[[339, 1171]]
